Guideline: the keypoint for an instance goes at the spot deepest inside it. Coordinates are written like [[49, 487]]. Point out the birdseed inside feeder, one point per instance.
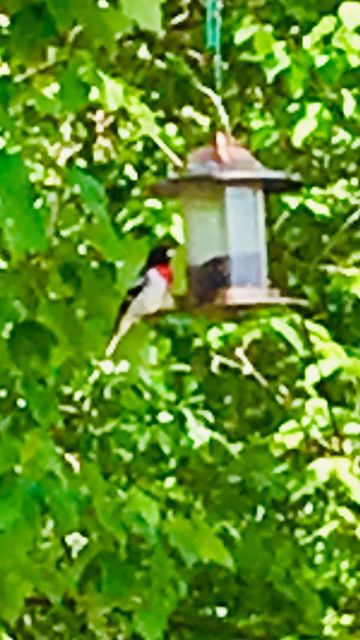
[[223, 193]]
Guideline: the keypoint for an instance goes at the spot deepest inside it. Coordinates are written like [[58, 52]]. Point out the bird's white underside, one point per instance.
[[150, 300]]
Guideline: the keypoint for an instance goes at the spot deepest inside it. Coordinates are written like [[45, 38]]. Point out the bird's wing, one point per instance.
[[131, 294]]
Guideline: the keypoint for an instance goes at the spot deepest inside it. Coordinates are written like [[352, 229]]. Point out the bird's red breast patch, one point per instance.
[[165, 271]]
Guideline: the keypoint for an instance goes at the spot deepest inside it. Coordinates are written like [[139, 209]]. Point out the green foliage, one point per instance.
[[17, 211], [206, 484]]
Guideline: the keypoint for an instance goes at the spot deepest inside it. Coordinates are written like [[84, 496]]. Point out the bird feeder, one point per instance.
[[223, 195]]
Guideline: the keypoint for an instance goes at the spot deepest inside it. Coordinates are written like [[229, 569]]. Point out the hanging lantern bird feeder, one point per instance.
[[223, 194]]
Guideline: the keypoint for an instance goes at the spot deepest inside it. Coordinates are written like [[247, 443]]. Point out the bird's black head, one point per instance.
[[161, 254]]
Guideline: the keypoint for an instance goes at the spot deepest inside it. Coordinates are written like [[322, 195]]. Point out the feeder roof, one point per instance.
[[226, 161]]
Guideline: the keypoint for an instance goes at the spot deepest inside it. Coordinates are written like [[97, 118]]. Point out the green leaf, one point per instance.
[[63, 505], [61, 10], [31, 35], [146, 14], [91, 190], [253, 553], [68, 329], [73, 92], [142, 513], [11, 502], [102, 25], [182, 535], [151, 623], [212, 548], [42, 402], [30, 344], [115, 94], [264, 41], [196, 541], [17, 212], [100, 232], [13, 591], [38, 451], [119, 579], [9, 452]]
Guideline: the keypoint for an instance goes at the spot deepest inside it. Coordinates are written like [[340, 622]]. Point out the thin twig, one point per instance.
[[47, 66], [321, 383], [335, 269], [354, 217], [68, 408], [180, 18], [173, 157], [248, 366], [217, 101], [54, 213]]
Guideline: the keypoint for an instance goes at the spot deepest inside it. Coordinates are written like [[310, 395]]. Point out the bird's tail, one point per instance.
[[123, 327]]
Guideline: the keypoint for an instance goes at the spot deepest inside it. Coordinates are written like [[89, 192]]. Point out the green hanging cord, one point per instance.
[[213, 37]]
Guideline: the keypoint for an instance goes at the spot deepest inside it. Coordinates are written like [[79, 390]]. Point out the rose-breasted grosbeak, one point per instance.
[[147, 296]]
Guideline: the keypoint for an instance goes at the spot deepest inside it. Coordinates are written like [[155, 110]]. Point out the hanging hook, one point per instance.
[[213, 37], [213, 42], [217, 101]]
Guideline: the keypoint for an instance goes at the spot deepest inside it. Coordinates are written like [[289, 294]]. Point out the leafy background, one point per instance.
[[207, 484]]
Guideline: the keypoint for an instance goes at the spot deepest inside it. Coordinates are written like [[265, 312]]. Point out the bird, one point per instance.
[[148, 295]]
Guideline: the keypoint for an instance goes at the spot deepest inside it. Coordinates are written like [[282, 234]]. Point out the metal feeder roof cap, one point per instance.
[[227, 161]]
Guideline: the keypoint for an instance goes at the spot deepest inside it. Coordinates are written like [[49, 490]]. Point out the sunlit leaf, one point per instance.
[[281, 60], [290, 435], [345, 472], [319, 208], [307, 124], [245, 33], [287, 331], [349, 42], [147, 16], [113, 92], [349, 13], [264, 41], [349, 102], [323, 28]]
